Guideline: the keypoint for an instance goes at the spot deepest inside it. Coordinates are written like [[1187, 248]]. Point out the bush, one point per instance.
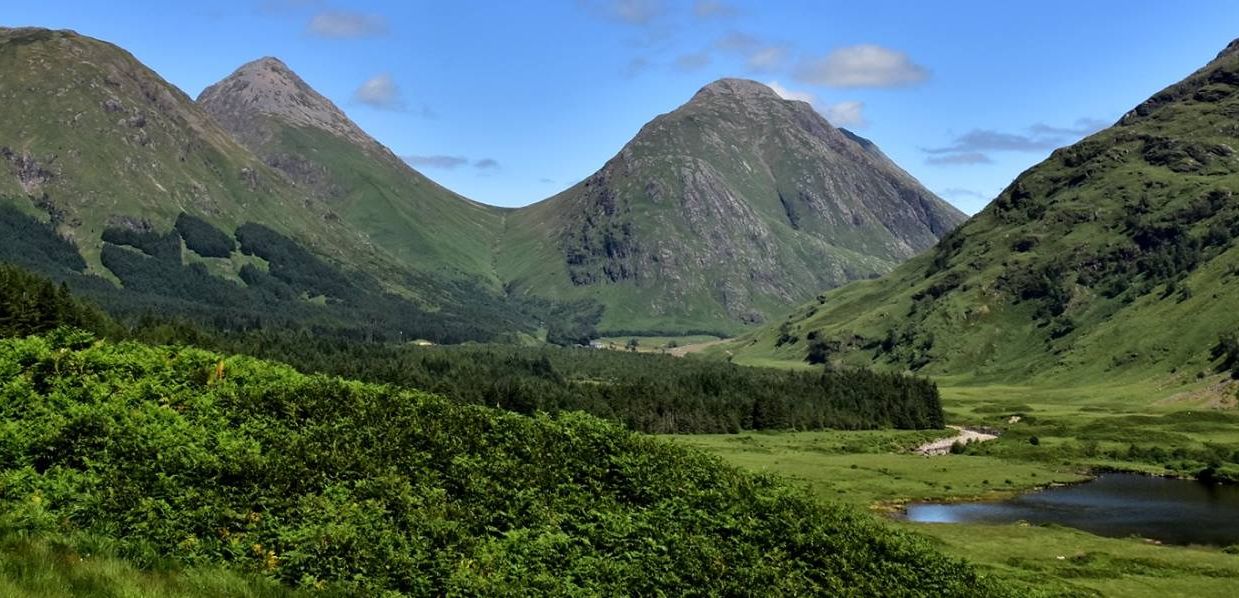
[[361, 489]]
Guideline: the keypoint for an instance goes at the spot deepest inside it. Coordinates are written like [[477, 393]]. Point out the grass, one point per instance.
[[655, 344], [875, 469], [1071, 276], [872, 468], [41, 567], [1062, 560]]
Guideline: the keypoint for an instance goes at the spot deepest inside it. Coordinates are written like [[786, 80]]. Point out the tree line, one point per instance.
[[649, 393]]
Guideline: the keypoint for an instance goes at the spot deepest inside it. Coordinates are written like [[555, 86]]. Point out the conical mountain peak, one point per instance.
[[738, 88], [269, 87]]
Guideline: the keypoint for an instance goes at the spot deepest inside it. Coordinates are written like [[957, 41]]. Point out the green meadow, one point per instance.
[[1078, 432]]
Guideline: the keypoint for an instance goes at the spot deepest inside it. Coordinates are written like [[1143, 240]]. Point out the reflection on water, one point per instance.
[[1117, 505]]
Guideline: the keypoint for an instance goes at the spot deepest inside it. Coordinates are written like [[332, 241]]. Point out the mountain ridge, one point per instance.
[[715, 217], [1071, 273]]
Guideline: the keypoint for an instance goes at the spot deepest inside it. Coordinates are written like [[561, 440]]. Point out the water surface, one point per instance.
[[1116, 505]]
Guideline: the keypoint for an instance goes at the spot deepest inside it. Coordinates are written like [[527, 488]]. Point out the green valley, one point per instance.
[[247, 349]]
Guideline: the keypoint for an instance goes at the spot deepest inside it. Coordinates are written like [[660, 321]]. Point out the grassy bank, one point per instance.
[[1077, 430]]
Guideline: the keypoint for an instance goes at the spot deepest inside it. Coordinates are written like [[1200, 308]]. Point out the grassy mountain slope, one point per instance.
[[720, 214], [172, 215], [318, 482], [294, 129], [94, 139], [1114, 258]]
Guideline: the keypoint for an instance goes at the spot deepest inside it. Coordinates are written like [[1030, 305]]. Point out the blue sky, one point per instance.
[[510, 102]]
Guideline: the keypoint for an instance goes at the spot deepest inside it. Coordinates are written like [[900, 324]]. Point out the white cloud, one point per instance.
[[341, 24], [865, 65], [789, 94], [380, 91], [845, 114], [840, 114]]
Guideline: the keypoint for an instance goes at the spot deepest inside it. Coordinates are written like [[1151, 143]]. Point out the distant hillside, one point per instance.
[[93, 139], [113, 180], [295, 130], [720, 215], [1115, 257]]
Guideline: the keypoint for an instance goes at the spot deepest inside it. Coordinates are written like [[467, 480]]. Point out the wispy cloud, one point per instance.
[[631, 12], [436, 161], [635, 67], [738, 42], [284, 6], [791, 94], [840, 114], [966, 158], [759, 55], [845, 114], [713, 9], [984, 140], [767, 59], [692, 61], [381, 92], [445, 162], [1081, 128], [866, 65], [961, 193], [974, 146], [343, 24]]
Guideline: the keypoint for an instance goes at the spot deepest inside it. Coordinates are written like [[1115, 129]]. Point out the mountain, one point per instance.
[[93, 138], [721, 214], [294, 129], [263, 202], [116, 182], [1113, 258]]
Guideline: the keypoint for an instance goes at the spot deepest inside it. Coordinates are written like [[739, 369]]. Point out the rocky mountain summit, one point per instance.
[[733, 205], [267, 87]]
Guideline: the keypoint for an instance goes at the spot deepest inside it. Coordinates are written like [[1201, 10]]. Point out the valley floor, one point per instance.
[[1077, 431]]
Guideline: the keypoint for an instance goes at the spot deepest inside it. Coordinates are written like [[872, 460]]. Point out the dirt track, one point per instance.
[[942, 446]]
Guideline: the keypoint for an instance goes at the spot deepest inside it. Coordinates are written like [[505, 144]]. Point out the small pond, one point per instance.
[[1115, 504]]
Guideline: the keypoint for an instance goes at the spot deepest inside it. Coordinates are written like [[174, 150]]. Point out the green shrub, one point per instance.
[[314, 481]]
